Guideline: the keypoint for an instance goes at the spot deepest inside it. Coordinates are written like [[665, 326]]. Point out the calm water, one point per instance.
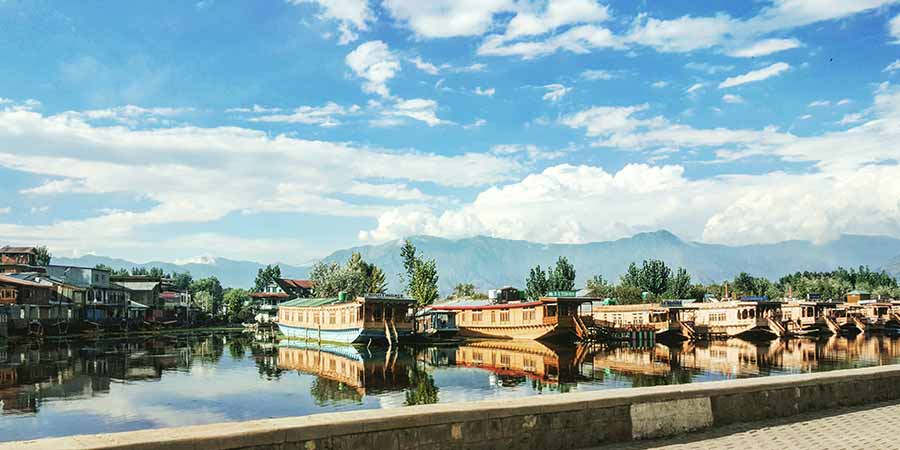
[[78, 387]]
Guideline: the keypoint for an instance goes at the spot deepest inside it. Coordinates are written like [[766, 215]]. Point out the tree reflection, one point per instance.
[[330, 392], [422, 389]]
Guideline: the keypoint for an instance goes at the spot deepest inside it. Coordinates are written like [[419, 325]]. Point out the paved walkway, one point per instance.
[[868, 427]]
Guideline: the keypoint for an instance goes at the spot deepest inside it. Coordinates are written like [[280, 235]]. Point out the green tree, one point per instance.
[[654, 276], [204, 300], [680, 285], [356, 277], [562, 278], [182, 280], [631, 277], [113, 272], [43, 255], [598, 287], [423, 286], [627, 294], [410, 258], [464, 290], [235, 300], [537, 284], [423, 390], [265, 277], [211, 286]]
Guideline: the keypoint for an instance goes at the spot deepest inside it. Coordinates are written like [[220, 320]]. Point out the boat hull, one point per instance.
[[346, 336], [533, 332]]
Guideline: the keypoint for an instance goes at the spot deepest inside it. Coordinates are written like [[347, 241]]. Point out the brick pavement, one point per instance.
[[868, 427]]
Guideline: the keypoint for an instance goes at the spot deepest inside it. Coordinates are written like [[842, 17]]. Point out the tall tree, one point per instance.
[[464, 290], [654, 277], [182, 280], [680, 286], [356, 277], [562, 278], [631, 277], [265, 277], [598, 287], [423, 288], [235, 300], [537, 284], [43, 255], [410, 258], [211, 286]]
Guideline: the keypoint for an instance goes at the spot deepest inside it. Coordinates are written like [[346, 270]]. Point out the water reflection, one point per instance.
[[74, 387]]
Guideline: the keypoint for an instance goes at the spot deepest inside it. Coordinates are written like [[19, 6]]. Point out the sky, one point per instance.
[[283, 130]]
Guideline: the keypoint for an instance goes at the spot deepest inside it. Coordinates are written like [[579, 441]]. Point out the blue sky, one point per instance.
[[283, 130]]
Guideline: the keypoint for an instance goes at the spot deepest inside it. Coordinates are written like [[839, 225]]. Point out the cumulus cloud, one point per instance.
[[680, 35], [555, 92], [892, 66], [196, 174], [595, 75], [352, 16], [420, 109], [755, 75], [578, 39], [731, 98], [894, 28], [765, 47], [374, 62], [424, 66], [447, 18]]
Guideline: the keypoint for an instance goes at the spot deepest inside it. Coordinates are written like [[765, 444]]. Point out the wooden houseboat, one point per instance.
[[347, 320], [439, 324], [548, 317], [746, 318], [808, 317], [512, 359], [362, 371]]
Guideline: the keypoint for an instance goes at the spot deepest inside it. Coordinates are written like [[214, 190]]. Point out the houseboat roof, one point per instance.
[[629, 307], [568, 299], [268, 295], [305, 284], [20, 282], [22, 250], [313, 302], [467, 304], [138, 285], [858, 292]]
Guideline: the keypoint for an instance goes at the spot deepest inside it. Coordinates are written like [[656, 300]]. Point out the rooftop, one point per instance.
[[10, 249], [304, 284], [19, 282]]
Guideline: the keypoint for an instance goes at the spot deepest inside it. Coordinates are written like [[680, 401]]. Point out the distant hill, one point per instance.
[[490, 262], [230, 273]]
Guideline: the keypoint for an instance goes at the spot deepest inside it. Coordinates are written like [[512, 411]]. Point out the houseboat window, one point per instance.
[[476, 316], [344, 316], [493, 316], [332, 317], [504, 315], [551, 311], [528, 314], [752, 313], [315, 317]]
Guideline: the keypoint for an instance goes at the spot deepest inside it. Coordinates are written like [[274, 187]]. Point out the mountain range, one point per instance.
[[490, 262]]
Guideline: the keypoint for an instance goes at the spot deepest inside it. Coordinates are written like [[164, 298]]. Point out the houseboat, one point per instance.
[[512, 360], [731, 318], [808, 317], [625, 320], [548, 317], [440, 324], [347, 320]]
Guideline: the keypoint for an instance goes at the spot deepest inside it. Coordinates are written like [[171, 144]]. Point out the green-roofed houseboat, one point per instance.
[[346, 319]]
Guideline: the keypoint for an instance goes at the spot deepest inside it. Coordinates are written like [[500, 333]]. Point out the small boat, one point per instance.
[[437, 324], [342, 319]]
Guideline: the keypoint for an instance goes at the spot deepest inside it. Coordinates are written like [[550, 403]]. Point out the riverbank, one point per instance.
[[123, 334], [576, 420]]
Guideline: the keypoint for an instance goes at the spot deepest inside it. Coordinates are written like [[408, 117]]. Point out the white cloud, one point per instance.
[[806, 117], [731, 98], [894, 28], [579, 39], [476, 124], [556, 13], [531, 151], [352, 16], [694, 88], [595, 75], [660, 84], [253, 109], [130, 114], [489, 92], [5, 210], [424, 66], [852, 118], [421, 109], [711, 69], [683, 34], [819, 103], [323, 116], [892, 66], [765, 47], [374, 62], [196, 174], [447, 18], [555, 92], [844, 101], [755, 75]]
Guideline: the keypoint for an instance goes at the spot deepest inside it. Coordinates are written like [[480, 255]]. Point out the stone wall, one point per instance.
[[543, 423]]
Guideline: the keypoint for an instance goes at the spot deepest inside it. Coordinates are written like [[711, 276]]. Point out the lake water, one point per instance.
[[59, 388]]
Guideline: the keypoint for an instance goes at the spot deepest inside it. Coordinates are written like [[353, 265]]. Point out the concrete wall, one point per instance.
[[544, 422]]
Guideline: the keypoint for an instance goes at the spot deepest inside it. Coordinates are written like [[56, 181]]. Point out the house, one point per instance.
[[277, 292], [18, 259], [504, 294], [145, 290], [22, 301], [66, 300], [177, 305], [104, 301]]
